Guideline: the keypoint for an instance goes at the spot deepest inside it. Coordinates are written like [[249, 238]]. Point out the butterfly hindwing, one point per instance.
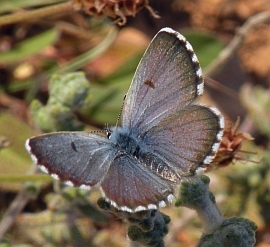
[[129, 184], [188, 139]]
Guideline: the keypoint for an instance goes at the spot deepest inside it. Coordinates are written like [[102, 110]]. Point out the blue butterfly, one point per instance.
[[165, 136]]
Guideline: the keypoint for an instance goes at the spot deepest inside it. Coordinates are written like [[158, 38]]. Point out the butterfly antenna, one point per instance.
[[107, 129], [120, 113], [100, 131]]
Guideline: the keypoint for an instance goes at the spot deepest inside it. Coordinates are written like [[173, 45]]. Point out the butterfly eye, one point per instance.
[[108, 133]]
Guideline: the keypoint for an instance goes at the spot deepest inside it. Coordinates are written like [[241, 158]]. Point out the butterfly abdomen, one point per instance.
[[157, 165]]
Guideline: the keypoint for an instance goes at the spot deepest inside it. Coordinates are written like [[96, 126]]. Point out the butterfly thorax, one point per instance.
[[125, 142], [128, 143]]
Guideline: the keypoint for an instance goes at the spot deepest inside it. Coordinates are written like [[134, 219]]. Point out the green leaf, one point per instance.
[[14, 160], [25, 178], [108, 94], [29, 47]]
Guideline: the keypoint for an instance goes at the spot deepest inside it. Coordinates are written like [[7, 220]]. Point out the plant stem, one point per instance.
[[236, 42], [35, 14]]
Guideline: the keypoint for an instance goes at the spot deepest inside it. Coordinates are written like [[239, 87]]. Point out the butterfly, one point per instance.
[[164, 136]]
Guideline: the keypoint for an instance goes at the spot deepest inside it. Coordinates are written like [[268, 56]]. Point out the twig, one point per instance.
[[34, 14], [223, 57], [15, 208], [11, 214]]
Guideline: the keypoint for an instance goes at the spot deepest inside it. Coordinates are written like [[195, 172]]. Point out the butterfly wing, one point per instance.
[[168, 78], [80, 158], [130, 186], [187, 140]]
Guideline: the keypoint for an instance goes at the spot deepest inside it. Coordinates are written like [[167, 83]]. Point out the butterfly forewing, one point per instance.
[[78, 157], [167, 79]]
